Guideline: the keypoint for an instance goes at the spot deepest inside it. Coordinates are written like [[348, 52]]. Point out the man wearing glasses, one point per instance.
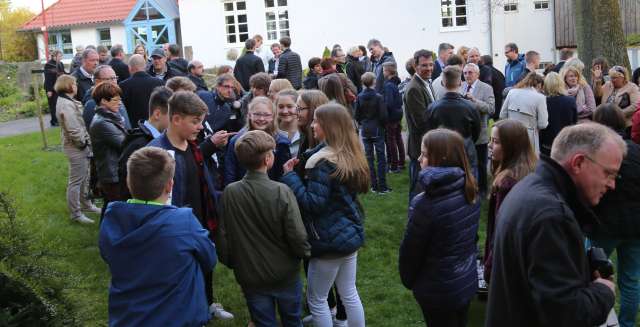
[[102, 74], [541, 274], [515, 64]]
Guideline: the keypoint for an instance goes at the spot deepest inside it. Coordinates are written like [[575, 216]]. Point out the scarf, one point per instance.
[[209, 213], [581, 100]]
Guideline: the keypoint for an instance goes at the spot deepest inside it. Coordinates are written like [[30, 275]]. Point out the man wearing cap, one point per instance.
[[159, 67]]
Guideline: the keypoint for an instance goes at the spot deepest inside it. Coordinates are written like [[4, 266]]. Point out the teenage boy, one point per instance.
[[315, 71], [146, 131], [193, 185], [262, 237], [156, 252]]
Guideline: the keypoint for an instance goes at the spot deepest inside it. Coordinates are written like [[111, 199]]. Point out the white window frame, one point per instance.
[[544, 4], [452, 6], [236, 14], [277, 10], [106, 43], [510, 6]]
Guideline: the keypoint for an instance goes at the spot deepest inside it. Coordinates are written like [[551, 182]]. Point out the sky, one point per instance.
[[33, 5]]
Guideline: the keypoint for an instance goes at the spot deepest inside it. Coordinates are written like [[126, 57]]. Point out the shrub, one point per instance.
[[633, 40]]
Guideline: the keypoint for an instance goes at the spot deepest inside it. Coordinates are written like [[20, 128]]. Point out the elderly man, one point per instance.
[[159, 67], [196, 72], [378, 57], [102, 74], [84, 74], [541, 274], [136, 90], [481, 96], [474, 57]]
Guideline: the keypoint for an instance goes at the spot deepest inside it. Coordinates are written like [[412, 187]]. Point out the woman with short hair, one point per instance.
[[76, 145], [561, 109]]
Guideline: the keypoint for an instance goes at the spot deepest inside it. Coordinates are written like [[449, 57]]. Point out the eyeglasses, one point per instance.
[[301, 109], [115, 99], [611, 174], [261, 115], [114, 78], [226, 86]]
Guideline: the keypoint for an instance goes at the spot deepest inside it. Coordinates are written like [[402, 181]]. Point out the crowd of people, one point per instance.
[[263, 172]]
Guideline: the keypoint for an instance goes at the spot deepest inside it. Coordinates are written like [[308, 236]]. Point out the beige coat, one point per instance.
[[529, 107], [634, 97], [74, 132]]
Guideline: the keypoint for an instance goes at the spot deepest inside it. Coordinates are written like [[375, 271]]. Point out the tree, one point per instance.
[[599, 32], [15, 45]]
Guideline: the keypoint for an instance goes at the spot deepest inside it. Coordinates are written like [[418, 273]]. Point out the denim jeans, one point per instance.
[[379, 180], [288, 300], [322, 274], [628, 275], [414, 172]]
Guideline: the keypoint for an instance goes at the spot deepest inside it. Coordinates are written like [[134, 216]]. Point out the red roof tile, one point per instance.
[[77, 12]]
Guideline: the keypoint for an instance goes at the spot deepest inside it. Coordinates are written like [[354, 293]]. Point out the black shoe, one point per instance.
[[384, 190]]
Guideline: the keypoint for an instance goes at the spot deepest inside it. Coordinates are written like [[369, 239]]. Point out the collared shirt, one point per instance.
[[85, 73], [466, 89], [154, 131], [427, 85]]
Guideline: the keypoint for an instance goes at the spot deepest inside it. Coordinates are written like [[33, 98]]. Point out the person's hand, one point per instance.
[[288, 166], [469, 97], [49, 94], [596, 72], [220, 138], [606, 282]]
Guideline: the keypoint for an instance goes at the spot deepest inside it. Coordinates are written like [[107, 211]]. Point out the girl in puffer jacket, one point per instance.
[[335, 174], [438, 252]]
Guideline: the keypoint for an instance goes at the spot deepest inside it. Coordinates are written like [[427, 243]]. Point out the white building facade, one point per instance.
[[211, 28]]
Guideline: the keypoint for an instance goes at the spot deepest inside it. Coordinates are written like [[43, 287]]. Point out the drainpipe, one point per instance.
[[490, 27]]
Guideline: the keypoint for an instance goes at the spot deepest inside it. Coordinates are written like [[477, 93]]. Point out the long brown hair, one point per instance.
[[445, 148], [313, 99], [518, 158], [332, 87], [351, 164]]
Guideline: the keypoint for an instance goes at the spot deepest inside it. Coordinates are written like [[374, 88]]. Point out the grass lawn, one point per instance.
[[36, 179]]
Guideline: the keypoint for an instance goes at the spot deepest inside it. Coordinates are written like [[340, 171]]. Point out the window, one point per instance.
[[235, 19], [277, 17], [61, 40], [147, 12], [453, 12], [539, 5], [511, 5], [104, 37]]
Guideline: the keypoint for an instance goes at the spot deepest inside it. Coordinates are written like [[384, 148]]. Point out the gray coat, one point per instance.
[[529, 107], [484, 101]]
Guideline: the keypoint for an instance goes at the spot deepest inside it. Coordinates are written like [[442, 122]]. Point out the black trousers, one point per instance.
[[483, 157], [445, 317], [52, 100]]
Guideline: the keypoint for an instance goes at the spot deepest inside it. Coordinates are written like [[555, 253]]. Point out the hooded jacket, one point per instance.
[[156, 255], [513, 69], [438, 253]]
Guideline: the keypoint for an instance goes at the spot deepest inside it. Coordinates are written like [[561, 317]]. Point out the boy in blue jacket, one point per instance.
[[156, 252]]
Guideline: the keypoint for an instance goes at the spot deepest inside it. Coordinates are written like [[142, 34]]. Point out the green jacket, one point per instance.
[[261, 235]]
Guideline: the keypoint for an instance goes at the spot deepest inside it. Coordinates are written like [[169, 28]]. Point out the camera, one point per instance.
[[598, 261]]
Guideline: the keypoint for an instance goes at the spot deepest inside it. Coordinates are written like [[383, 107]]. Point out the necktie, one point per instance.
[[468, 88], [431, 92]]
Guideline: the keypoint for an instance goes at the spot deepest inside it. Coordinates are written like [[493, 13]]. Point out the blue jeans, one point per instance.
[[262, 306], [414, 172], [379, 180], [628, 275]]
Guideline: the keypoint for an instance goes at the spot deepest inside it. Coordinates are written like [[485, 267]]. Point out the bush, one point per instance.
[[633, 40]]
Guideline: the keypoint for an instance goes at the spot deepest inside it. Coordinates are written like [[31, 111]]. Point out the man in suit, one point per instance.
[[137, 89], [485, 71], [117, 63], [481, 95], [84, 73], [417, 97], [445, 50], [248, 65], [289, 64]]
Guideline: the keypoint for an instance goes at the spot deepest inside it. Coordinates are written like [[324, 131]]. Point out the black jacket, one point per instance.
[[136, 92], [311, 81], [84, 83], [562, 112], [246, 66], [540, 274], [179, 64], [456, 113], [52, 70], [619, 209], [371, 113], [355, 69], [201, 85], [498, 85], [290, 67], [121, 69], [171, 72], [136, 139], [107, 134], [76, 62]]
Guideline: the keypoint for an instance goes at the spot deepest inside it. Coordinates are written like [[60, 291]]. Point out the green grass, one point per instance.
[[36, 179]]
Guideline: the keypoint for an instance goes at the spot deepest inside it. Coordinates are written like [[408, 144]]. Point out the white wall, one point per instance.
[[85, 36], [118, 36], [403, 26]]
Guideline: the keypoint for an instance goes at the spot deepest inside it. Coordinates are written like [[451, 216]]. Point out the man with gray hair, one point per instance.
[[102, 74], [379, 55], [137, 89], [77, 59], [474, 57], [541, 274], [84, 73], [196, 73]]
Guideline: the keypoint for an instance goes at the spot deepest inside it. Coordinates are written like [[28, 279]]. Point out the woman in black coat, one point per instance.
[[561, 108], [53, 69]]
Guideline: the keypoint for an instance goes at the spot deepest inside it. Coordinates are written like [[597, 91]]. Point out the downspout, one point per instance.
[[490, 28], [553, 24]]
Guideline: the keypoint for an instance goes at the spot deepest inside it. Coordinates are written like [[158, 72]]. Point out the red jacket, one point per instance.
[[635, 126]]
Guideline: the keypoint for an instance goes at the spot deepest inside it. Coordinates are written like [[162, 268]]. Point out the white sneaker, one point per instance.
[[92, 209], [83, 219], [308, 320], [218, 312]]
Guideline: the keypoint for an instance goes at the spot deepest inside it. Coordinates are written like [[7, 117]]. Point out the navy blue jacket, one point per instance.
[[156, 255], [562, 112], [393, 99], [221, 115], [234, 172], [329, 210], [371, 113], [438, 252], [178, 193]]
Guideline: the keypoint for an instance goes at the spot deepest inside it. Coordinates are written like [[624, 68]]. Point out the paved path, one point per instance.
[[22, 126]]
